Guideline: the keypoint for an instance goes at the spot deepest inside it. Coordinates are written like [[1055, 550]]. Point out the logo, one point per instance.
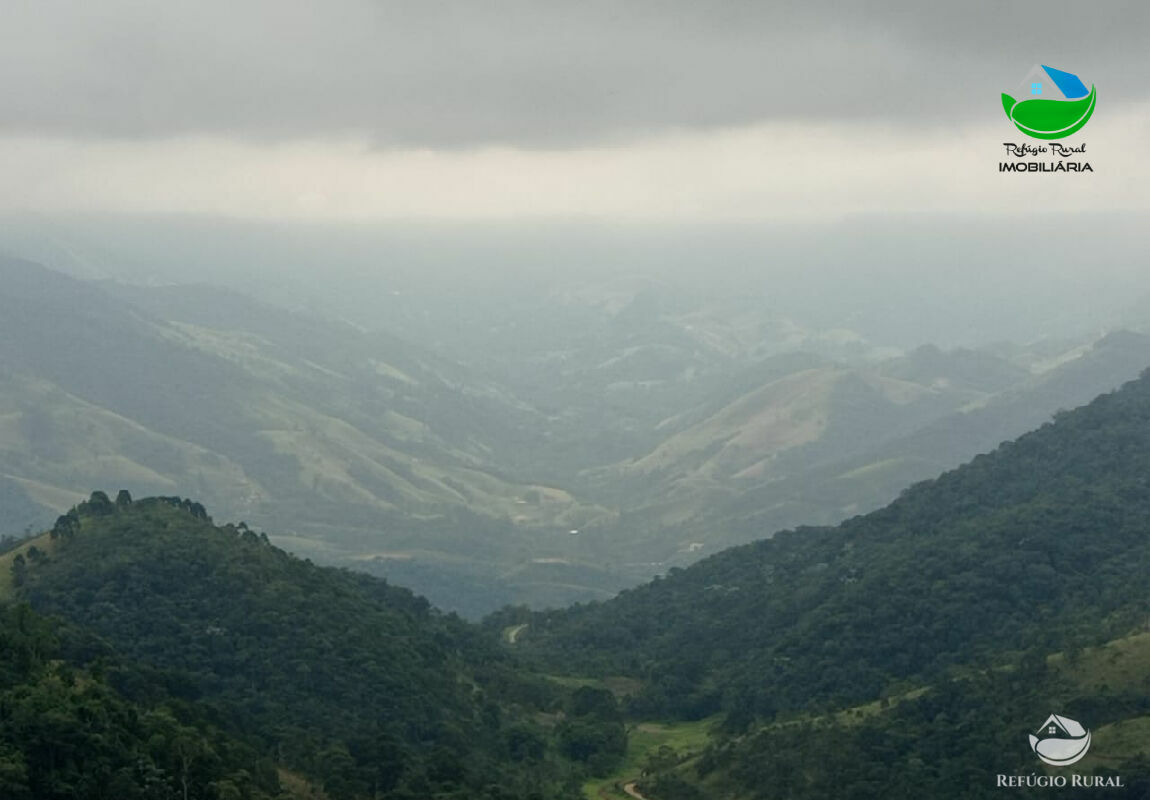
[[1060, 741], [1053, 104]]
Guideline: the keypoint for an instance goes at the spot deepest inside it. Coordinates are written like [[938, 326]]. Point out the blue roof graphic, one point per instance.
[[1068, 83]]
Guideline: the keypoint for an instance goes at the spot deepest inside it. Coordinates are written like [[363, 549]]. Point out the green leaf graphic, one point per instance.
[[1049, 119]]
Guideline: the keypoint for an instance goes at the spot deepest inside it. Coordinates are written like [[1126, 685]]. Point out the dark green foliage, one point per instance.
[[669, 786], [593, 731], [19, 570], [1043, 544], [951, 742], [966, 583], [98, 505], [66, 734], [361, 686]]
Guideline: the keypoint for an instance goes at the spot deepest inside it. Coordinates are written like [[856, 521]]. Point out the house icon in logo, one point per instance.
[[1051, 84], [1052, 103], [1060, 741]]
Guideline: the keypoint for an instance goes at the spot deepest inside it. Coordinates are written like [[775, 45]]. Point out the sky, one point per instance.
[[652, 112]]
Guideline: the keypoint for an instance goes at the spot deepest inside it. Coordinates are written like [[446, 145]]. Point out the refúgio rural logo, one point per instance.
[[1060, 741], [1054, 104]]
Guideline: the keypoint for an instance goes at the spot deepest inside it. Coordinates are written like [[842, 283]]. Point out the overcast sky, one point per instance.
[[625, 110]]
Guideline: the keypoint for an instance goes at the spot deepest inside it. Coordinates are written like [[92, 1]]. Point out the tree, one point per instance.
[[13, 775], [99, 504], [19, 570]]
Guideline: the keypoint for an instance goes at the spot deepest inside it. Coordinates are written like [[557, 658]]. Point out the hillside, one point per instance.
[[361, 688], [908, 652], [348, 444], [616, 431], [68, 733], [1047, 537], [951, 739], [822, 416], [796, 420], [871, 446]]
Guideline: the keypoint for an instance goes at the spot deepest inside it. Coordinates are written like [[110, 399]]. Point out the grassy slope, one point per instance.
[[1119, 665], [42, 541], [310, 428], [645, 740], [834, 477]]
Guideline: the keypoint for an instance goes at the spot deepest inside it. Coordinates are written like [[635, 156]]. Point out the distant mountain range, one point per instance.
[[826, 442], [339, 438], [627, 429]]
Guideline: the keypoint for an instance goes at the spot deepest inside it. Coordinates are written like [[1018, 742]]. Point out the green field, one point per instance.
[[647, 739]]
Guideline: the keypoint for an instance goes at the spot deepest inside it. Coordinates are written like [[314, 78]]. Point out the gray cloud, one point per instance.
[[535, 73]]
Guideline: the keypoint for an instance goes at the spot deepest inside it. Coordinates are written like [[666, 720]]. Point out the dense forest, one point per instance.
[[943, 610], [952, 740], [66, 731], [150, 653], [1044, 543], [321, 678]]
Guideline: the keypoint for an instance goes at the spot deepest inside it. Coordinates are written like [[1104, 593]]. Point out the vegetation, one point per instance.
[[964, 585], [67, 734], [659, 424], [653, 748], [1043, 544], [951, 740], [359, 686]]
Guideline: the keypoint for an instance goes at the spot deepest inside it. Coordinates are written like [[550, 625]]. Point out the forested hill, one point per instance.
[[355, 687], [67, 733], [1042, 545]]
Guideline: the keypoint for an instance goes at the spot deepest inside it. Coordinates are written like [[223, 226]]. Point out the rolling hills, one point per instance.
[[614, 432], [871, 446], [347, 443]]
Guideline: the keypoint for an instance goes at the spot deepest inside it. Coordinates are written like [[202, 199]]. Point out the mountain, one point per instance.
[[350, 444], [627, 427], [1018, 536], [1039, 547], [323, 677], [800, 417], [817, 442], [909, 651]]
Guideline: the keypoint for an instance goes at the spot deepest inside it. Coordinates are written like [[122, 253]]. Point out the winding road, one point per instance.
[[512, 633], [629, 788]]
